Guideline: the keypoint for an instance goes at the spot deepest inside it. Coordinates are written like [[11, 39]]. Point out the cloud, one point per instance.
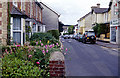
[[72, 10]]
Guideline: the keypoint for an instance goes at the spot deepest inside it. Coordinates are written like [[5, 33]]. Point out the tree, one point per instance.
[[71, 29], [101, 29]]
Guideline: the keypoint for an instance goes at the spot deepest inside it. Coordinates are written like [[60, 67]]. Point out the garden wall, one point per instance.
[[56, 64]]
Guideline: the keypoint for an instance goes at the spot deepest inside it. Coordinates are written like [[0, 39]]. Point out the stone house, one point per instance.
[[24, 14], [96, 15], [50, 18], [115, 22], [81, 25]]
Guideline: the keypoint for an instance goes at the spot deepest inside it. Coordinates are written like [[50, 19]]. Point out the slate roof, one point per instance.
[[85, 16], [16, 11], [49, 8], [99, 10]]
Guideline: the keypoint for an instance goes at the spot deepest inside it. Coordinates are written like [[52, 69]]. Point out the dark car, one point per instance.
[[89, 37]]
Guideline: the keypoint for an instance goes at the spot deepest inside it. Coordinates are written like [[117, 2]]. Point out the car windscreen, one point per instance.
[[91, 33]]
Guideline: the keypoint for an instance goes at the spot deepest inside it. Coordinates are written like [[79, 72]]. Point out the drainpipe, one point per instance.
[[118, 37], [118, 24]]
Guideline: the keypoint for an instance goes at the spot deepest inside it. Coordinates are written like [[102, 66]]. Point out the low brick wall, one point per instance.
[[57, 65]]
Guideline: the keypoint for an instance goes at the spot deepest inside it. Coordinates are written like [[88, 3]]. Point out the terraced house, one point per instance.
[[97, 15], [115, 22], [22, 15]]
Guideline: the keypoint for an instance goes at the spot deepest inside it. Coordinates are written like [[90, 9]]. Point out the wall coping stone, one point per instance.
[[57, 56]]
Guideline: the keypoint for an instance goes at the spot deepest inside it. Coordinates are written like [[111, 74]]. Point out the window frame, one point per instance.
[[15, 3]]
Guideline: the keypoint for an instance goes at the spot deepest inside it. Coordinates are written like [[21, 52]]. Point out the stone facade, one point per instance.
[[114, 26], [49, 18], [3, 22]]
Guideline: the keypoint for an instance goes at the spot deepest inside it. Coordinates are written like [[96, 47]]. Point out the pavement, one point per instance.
[[89, 59], [107, 45]]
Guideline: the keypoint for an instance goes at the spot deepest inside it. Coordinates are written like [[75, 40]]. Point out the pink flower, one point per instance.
[[30, 56], [36, 43], [45, 46], [41, 44], [43, 51], [10, 52], [47, 51], [66, 49], [14, 49], [61, 48], [57, 44], [38, 62], [40, 41], [6, 50], [53, 45], [50, 46], [18, 45], [14, 44], [64, 53]]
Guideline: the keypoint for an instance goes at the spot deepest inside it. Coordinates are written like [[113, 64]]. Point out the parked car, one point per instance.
[[71, 36], [66, 36], [79, 38], [76, 37], [89, 37]]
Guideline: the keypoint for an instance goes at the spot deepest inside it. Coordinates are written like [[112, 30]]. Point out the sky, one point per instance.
[[72, 10]]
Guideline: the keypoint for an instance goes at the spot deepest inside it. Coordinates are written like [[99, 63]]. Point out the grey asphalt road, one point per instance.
[[89, 59]]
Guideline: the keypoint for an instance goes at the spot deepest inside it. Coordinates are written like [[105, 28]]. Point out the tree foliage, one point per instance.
[[71, 29], [101, 29]]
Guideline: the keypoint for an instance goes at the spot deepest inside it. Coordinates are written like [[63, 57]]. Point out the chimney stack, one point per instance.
[[98, 5]]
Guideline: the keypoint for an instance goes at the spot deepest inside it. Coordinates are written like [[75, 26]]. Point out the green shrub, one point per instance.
[[41, 36], [44, 37], [14, 63], [14, 67], [54, 33]]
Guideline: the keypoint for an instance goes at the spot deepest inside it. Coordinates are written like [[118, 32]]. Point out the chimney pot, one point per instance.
[[98, 5]]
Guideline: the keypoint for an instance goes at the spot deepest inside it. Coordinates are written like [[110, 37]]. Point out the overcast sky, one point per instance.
[[71, 10]]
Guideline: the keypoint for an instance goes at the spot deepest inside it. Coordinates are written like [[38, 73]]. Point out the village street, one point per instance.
[[89, 59]]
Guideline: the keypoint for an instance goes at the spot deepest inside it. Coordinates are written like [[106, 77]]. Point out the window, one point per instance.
[[43, 28], [16, 23], [38, 28], [17, 37], [34, 28], [15, 3]]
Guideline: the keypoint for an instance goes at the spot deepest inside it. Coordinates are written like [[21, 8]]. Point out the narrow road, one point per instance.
[[89, 59]]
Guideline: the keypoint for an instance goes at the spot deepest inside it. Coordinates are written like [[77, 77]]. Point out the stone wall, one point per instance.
[[3, 22], [0, 22]]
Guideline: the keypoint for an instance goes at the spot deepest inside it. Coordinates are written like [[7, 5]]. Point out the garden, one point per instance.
[[31, 59]]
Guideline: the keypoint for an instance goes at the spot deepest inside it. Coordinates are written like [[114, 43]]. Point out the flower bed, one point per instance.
[[27, 60], [30, 60]]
